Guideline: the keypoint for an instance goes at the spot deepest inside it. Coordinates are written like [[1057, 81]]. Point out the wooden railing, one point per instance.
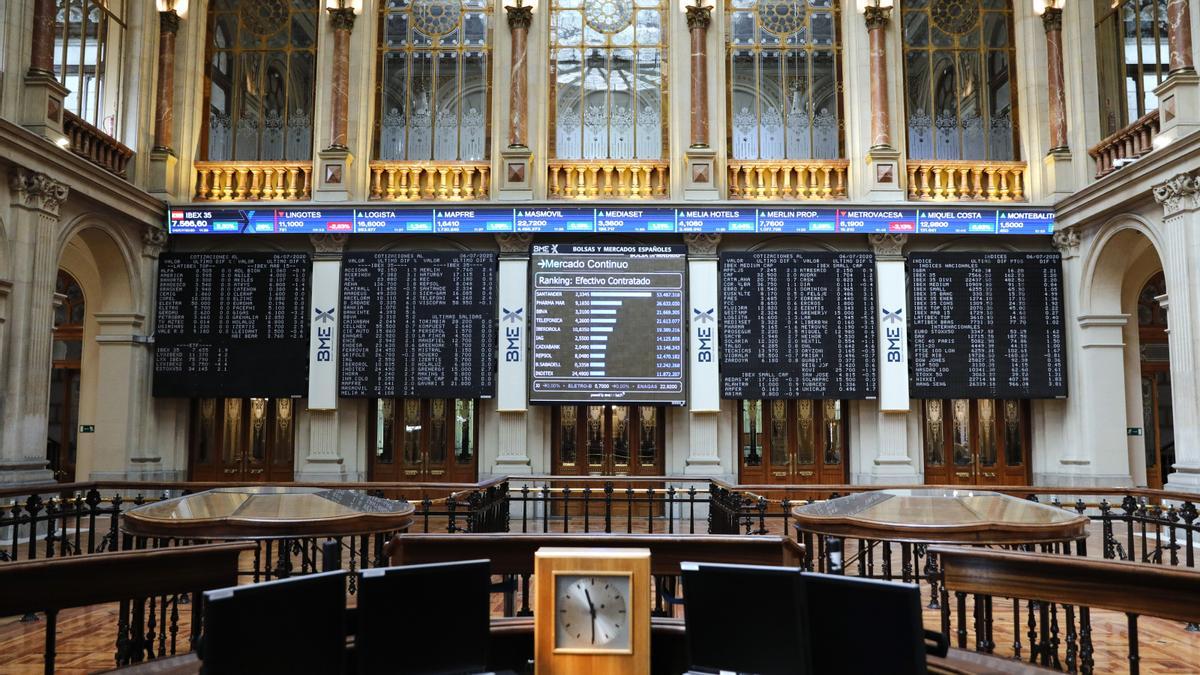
[[96, 146], [778, 179], [966, 180], [430, 180], [148, 584], [1054, 584], [253, 181], [1126, 145], [608, 179]]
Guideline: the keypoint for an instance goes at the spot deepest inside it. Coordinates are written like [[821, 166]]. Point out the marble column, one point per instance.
[[342, 21], [41, 58], [519, 19], [1179, 35], [1052, 23], [164, 119], [877, 19], [699, 18], [36, 199]]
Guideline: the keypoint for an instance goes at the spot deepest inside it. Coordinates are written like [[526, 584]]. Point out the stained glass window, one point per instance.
[[960, 86], [435, 91], [784, 79], [608, 74], [262, 79]]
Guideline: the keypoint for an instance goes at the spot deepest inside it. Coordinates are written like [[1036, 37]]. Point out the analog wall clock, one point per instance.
[[592, 610]]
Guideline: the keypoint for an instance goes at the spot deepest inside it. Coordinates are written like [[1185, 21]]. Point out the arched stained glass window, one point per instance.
[[959, 79], [434, 91], [262, 79], [784, 79], [608, 74]]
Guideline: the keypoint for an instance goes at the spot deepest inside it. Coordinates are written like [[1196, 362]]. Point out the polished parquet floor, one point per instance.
[[86, 638]]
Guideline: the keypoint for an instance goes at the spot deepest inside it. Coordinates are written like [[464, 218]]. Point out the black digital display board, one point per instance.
[[608, 324], [231, 324], [418, 324], [987, 325], [798, 324]]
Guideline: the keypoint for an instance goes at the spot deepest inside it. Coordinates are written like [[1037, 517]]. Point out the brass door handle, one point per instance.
[[780, 474], [805, 474], [989, 474], [963, 474], [230, 472]]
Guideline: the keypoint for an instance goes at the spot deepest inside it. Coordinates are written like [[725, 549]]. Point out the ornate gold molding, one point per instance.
[[37, 190]]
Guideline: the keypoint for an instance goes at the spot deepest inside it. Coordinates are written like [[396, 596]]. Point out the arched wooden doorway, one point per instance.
[[62, 431], [1157, 420]]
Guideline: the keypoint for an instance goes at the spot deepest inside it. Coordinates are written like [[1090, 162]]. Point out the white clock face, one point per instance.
[[591, 612]]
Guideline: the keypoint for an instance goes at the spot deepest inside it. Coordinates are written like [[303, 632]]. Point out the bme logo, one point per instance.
[[893, 351], [324, 331], [704, 334], [512, 333]]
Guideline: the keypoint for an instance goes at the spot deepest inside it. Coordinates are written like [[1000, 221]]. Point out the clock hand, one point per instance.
[[592, 609]]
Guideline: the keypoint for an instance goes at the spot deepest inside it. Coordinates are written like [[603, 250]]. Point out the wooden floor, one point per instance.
[[86, 637]]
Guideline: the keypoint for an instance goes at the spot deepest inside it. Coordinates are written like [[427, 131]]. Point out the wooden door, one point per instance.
[[424, 440], [976, 441], [792, 442], [242, 440], [1158, 424], [62, 430], [608, 440]]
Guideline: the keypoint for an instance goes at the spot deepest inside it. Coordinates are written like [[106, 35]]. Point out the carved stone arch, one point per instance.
[[116, 260], [1108, 258]]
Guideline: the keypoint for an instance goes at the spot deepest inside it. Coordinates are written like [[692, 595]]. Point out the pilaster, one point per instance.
[[512, 456], [36, 199], [123, 359], [704, 397], [324, 460], [892, 461], [1180, 198]]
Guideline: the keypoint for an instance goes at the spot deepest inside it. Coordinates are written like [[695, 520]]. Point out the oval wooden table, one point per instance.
[[268, 512]]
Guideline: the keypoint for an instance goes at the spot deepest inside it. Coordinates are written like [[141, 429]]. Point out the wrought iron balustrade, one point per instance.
[[443, 181], [1126, 145], [609, 179], [97, 147], [966, 180], [787, 179], [253, 181]]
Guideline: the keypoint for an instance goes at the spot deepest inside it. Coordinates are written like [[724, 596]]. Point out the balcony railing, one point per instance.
[[1126, 145], [437, 180], [966, 180], [608, 179], [253, 181], [96, 146], [777, 179]]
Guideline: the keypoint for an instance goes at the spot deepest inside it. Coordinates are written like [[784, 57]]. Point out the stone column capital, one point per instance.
[[702, 244], [327, 244], [168, 22], [1052, 19], [1178, 193], [877, 17], [699, 17], [519, 17], [1066, 241], [888, 246], [38, 191], [341, 18], [154, 239], [514, 244]]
